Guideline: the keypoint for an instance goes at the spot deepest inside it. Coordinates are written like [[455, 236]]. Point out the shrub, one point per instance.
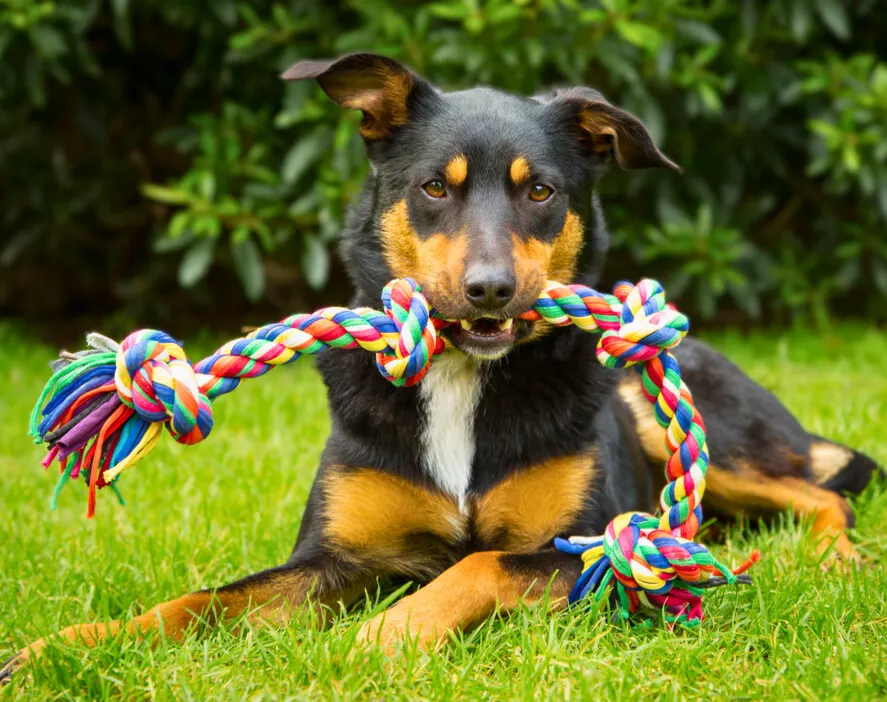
[[163, 122]]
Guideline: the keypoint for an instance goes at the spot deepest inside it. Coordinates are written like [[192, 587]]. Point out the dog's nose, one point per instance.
[[489, 287]]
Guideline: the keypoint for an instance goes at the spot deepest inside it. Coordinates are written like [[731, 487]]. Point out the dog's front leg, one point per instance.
[[470, 591], [268, 597]]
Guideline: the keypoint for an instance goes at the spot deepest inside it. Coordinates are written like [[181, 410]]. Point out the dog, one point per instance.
[[516, 435]]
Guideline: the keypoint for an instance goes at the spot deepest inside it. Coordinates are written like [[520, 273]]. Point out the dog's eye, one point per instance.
[[540, 192], [435, 189]]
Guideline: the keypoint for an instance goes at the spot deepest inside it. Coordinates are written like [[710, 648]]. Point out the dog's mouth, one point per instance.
[[487, 338]]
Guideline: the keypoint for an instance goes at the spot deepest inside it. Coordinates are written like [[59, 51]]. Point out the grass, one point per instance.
[[202, 516]]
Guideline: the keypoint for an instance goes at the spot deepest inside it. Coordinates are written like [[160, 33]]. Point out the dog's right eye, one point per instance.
[[435, 189], [540, 192]]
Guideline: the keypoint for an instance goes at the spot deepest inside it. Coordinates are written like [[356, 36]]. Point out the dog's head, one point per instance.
[[480, 196]]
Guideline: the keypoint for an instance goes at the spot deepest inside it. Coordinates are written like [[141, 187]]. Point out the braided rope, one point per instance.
[[104, 409]]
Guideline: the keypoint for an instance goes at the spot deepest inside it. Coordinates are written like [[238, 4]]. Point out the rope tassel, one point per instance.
[[105, 408]]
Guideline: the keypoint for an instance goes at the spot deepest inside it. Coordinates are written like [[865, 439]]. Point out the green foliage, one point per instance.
[[777, 111]]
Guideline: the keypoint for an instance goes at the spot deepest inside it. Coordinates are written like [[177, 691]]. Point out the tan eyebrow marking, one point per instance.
[[457, 170], [520, 170]]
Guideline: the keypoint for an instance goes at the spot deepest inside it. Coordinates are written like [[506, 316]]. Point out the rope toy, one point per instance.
[[105, 408]]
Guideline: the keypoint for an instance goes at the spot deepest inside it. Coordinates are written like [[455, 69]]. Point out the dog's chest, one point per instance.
[[450, 394]]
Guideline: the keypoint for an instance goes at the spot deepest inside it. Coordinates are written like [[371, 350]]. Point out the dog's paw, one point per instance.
[[841, 556], [399, 624], [844, 562]]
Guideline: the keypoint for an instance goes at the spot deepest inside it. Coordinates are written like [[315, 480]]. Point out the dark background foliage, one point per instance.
[[155, 171]]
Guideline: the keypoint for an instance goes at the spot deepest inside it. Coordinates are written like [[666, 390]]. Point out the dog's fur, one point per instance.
[[463, 481]]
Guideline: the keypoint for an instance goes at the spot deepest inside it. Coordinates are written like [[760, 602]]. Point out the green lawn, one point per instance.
[[202, 516]]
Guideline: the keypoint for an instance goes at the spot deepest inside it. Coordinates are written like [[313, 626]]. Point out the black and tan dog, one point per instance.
[[517, 435]]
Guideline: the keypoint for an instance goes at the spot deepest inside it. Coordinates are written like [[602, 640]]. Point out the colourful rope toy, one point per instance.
[[105, 408]]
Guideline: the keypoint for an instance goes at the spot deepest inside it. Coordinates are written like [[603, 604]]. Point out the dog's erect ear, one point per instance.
[[378, 86], [608, 130]]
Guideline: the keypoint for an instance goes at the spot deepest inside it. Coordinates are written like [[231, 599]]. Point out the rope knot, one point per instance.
[[154, 378], [647, 326], [407, 361], [654, 569], [649, 559]]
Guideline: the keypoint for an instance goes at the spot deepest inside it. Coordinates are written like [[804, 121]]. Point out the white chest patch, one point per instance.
[[450, 393]]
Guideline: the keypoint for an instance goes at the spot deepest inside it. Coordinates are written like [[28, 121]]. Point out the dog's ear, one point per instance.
[[378, 86], [607, 130]]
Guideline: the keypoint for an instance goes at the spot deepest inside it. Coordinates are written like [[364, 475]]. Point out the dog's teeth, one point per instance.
[[466, 325], [506, 324]]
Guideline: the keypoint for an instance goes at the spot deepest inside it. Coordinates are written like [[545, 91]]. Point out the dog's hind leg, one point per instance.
[[268, 597], [473, 589], [745, 491], [763, 461]]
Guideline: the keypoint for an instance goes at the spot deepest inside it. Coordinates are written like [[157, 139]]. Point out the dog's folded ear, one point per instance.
[[607, 130], [379, 86]]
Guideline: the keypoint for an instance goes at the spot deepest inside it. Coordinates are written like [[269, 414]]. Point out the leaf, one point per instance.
[[247, 260], [207, 185], [168, 196], [17, 243], [748, 18], [704, 219], [665, 59], [834, 16], [120, 7], [306, 204], [800, 19], [709, 96], [698, 31], [5, 39], [33, 80], [879, 80], [295, 97], [448, 11], [226, 11], [668, 211], [208, 224], [639, 34], [315, 262], [879, 275], [619, 66], [706, 55], [707, 300], [882, 197], [830, 132], [281, 16], [179, 225], [167, 243], [678, 282], [48, 41], [847, 274], [196, 262], [303, 155], [650, 113], [122, 22], [504, 13], [474, 23], [746, 299], [851, 157]]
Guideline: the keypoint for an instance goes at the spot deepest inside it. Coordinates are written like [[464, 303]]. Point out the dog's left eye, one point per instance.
[[539, 192], [435, 189]]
